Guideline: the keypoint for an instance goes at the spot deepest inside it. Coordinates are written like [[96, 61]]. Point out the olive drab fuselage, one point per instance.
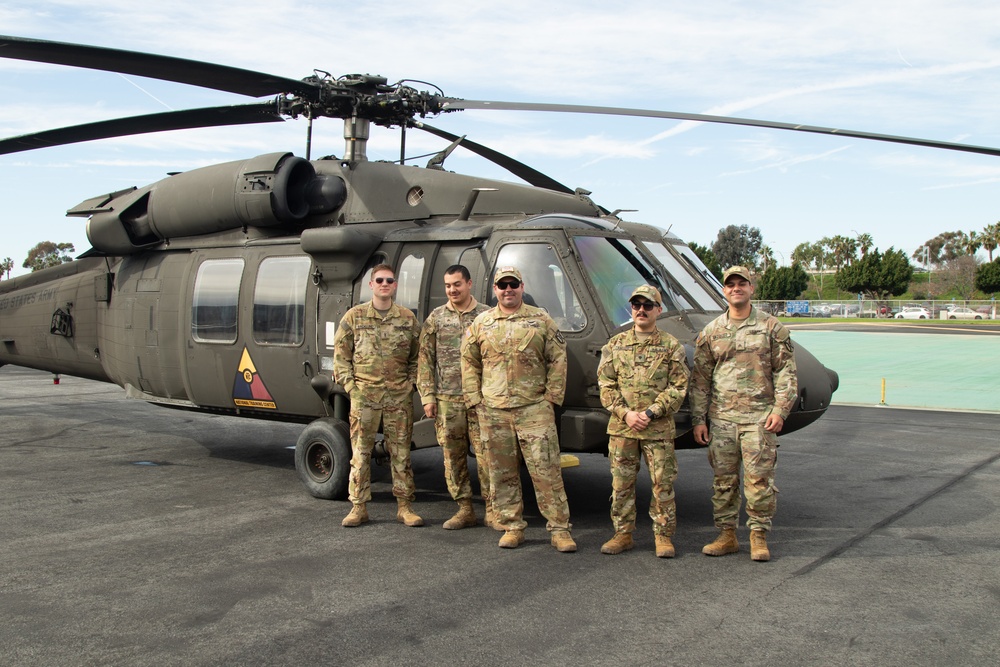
[[241, 320]]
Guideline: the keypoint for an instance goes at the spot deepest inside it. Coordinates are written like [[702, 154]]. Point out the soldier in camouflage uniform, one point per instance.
[[439, 381], [744, 382], [375, 361], [643, 378], [514, 372]]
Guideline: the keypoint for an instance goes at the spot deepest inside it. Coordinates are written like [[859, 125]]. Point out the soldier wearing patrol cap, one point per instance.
[[744, 384], [643, 379], [514, 374]]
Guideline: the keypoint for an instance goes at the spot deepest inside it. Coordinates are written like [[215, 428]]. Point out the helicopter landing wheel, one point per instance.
[[323, 458]]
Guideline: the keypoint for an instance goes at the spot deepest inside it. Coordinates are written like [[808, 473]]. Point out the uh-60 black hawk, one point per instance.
[[220, 289]]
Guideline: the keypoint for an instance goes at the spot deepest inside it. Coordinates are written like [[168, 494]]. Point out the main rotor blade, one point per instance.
[[167, 68], [519, 169], [673, 115], [241, 114]]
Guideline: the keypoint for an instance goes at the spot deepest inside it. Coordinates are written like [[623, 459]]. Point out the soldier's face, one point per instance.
[[509, 296], [737, 291], [645, 320], [381, 285], [458, 289]]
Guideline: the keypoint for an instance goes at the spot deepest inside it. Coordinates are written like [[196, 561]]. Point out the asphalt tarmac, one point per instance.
[[135, 535]]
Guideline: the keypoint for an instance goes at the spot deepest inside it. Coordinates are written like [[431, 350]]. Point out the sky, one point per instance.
[[921, 68]]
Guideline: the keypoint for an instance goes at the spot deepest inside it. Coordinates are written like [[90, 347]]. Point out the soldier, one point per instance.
[[643, 378], [514, 373], [439, 381], [744, 382], [375, 361]]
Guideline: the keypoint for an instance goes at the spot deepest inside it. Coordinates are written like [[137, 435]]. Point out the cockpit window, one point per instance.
[[616, 268], [545, 283], [682, 273], [691, 258]]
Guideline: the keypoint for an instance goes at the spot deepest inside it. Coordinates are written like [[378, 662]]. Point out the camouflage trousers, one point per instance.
[[624, 455], [527, 432], [397, 426], [757, 450], [457, 430]]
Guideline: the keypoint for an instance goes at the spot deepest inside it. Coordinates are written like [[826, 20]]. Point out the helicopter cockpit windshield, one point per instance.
[[615, 267]]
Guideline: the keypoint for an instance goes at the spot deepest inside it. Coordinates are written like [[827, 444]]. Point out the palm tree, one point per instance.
[[865, 241], [5, 266], [971, 242], [990, 238], [766, 257]]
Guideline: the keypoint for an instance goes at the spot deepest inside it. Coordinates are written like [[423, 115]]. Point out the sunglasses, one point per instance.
[[385, 280], [508, 284], [645, 305]]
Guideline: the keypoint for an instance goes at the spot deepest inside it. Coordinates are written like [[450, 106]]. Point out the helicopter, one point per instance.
[[219, 289]]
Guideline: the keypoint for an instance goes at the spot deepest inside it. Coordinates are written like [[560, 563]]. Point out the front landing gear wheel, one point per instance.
[[323, 458]]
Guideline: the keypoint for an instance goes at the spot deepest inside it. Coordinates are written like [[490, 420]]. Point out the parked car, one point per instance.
[[962, 313], [913, 313]]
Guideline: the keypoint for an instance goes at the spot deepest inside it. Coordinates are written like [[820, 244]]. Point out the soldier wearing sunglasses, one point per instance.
[[375, 361], [643, 379], [514, 374]]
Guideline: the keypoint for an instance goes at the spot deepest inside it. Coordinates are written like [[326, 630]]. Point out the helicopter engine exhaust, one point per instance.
[[265, 191]]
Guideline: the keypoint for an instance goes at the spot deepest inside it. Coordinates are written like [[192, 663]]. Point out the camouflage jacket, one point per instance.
[[636, 375], [376, 355], [742, 374], [513, 360], [439, 370]]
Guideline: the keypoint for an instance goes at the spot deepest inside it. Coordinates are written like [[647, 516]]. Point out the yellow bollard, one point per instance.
[[882, 402]]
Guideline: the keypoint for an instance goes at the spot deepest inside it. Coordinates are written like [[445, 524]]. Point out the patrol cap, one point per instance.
[[507, 272], [741, 271], [648, 292]]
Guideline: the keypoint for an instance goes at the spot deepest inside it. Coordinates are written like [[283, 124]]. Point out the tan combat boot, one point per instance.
[[464, 518], [358, 516], [563, 541], [492, 520], [406, 515], [617, 544], [758, 546], [724, 544], [664, 547], [512, 539]]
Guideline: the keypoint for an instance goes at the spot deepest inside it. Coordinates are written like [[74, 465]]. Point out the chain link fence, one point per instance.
[[950, 309]]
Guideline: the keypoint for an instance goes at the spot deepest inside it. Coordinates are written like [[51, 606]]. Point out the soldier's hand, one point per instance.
[[700, 433], [430, 410], [773, 423], [637, 421]]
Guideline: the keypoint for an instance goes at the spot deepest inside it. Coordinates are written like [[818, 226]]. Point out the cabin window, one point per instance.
[[216, 301], [279, 300], [681, 273], [615, 268], [545, 283], [411, 276]]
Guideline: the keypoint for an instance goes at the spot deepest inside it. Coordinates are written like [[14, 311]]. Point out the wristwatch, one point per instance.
[[649, 413]]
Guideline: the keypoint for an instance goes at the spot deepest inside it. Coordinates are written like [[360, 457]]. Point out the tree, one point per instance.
[[971, 243], [988, 277], [958, 275], [865, 241], [782, 283], [707, 258], [877, 275], [766, 255], [812, 255], [737, 246], [5, 267], [944, 246], [990, 238], [47, 254], [842, 249]]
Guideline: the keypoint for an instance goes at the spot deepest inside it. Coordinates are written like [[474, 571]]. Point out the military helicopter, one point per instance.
[[219, 289]]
